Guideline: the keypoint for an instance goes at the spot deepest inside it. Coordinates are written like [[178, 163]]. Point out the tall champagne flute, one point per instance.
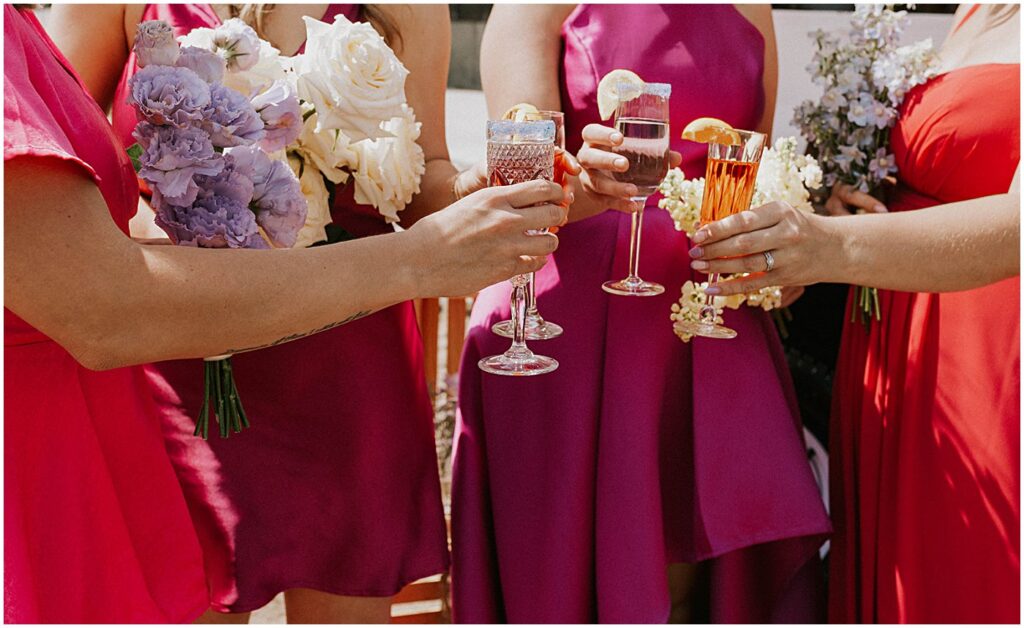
[[728, 188], [642, 118], [536, 327], [518, 152]]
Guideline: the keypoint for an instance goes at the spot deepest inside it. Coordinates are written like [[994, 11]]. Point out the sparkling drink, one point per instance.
[[536, 327], [518, 152], [645, 145], [728, 188]]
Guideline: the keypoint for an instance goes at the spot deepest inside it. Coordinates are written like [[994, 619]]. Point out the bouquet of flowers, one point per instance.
[[351, 122], [784, 175], [864, 81], [202, 148]]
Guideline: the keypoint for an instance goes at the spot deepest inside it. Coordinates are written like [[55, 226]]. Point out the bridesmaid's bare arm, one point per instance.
[[929, 250], [520, 56], [760, 15], [424, 46], [111, 301], [96, 39]]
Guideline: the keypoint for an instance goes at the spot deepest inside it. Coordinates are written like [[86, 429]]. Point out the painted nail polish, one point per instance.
[[699, 265], [712, 290], [696, 252], [700, 236]]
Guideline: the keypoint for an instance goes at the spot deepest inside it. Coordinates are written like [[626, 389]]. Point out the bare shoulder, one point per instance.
[[545, 16], [760, 15]]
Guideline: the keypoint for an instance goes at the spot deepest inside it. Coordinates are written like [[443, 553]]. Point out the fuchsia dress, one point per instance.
[[95, 526], [335, 486], [572, 491]]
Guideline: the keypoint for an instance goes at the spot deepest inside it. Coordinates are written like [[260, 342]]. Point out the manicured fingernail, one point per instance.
[[616, 137], [696, 252], [712, 290], [621, 162], [699, 265], [553, 230], [880, 209], [700, 236]]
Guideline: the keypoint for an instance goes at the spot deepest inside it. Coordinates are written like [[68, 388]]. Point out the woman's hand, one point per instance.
[[844, 197], [599, 163], [800, 244], [482, 239]]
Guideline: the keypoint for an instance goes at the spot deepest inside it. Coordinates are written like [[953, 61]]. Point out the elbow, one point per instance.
[[98, 346]]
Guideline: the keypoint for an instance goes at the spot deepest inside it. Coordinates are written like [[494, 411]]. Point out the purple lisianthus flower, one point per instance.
[[230, 118], [214, 222], [233, 181], [278, 106], [277, 196], [209, 66], [154, 44], [168, 95], [171, 159]]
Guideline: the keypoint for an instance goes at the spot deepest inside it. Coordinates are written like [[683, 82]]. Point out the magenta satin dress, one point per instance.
[[572, 491], [335, 486], [95, 526]]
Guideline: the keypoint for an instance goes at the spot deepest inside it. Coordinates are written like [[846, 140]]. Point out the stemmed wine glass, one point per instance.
[[518, 152], [728, 188], [536, 327], [642, 118]]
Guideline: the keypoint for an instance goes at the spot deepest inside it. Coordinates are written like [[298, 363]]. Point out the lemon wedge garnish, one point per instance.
[[522, 112], [705, 130], [608, 93]]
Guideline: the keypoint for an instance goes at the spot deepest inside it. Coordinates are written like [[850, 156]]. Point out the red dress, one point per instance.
[[926, 414], [335, 486], [96, 528]]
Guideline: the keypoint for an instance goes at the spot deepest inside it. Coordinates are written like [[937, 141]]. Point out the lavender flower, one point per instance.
[[206, 64], [154, 44], [882, 165], [277, 197], [278, 106], [233, 181], [214, 222], [230, 118], [171, 159], [168, 95]]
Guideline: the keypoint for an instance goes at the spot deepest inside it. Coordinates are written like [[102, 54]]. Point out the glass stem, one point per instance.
[[518, 306], [709, 313], [531, 296], [634, 243]]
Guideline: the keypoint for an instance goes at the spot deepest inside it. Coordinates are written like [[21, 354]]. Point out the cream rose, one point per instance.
[[351, 76], [318, 209], [329, 150], [390, 168]]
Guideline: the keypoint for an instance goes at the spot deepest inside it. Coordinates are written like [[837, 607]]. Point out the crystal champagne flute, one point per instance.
[[536, 327], [518, 152], [642, 118]]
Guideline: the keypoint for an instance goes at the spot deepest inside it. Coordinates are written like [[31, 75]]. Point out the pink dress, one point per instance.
[[572, 491], [335, 487], [95, 526]]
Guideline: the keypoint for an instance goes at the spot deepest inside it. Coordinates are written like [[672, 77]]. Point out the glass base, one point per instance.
[[705, 330], [633, 287], [518, 363], [536, 328]]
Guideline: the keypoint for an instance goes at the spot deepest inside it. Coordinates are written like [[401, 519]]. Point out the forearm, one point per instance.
[[248, 299], [948, 248]]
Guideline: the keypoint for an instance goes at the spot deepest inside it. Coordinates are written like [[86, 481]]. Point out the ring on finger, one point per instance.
[[769, 261]]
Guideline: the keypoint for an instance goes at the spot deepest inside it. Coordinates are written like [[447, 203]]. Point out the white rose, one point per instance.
[[329, 150], [269, 69], [318, 209], [390, 168], [351, 76]]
